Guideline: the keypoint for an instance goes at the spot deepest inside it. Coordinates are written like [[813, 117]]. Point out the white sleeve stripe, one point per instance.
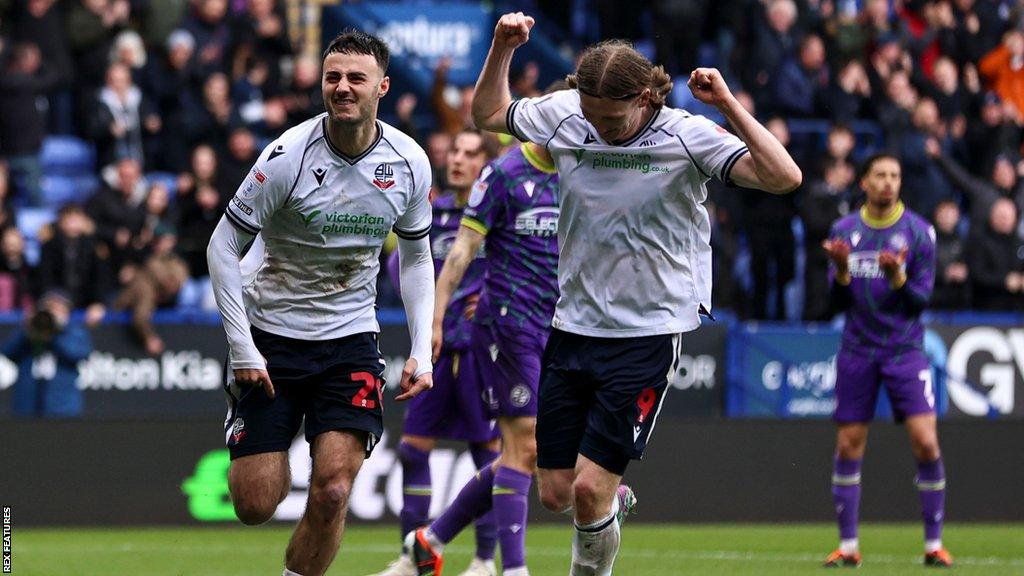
[[733, 159], [692, 159], [239, 223]]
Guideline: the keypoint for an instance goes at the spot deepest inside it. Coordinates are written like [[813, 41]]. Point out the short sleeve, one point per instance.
[[263, 191], [712, 149], [486, 201], [415, 222], [536, 119]]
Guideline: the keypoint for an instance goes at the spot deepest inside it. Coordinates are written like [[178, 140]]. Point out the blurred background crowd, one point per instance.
[[126, 126]]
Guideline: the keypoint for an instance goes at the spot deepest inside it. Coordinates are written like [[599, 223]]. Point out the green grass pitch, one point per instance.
[[647, 550]]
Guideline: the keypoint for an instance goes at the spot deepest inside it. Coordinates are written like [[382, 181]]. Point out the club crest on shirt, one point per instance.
[[384, 176], [855, 239], [897, 242]]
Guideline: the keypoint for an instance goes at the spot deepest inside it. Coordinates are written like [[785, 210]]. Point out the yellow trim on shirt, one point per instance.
[[879, 223], [537, 161], [474, 225]]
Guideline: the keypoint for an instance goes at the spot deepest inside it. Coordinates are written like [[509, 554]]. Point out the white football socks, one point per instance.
[[595, 545]]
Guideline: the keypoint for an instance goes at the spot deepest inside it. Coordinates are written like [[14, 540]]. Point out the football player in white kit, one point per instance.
[[301, 326], [634, 256]]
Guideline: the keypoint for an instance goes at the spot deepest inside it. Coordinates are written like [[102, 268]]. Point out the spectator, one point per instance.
[[41, 22], [70, 261], [951, 288], [437, 152], [6, 218], [209, 26], [990, 134], [523, 81], [895, 107], [90, 27], [924, 184], [22, 122], [120, 117], [678, 27], [848, 96], [1003, 68], [774, 39], [209, 121], [170, 78], [156, 284], [260, 34], [159, 19], [15, 272], [947, 93], [303, 99], [769, 227], [203, 174], [453, 107], [851, 34], [981, 194], [995, 258], [129, 50], [160, 216], [827, 200], [47, 352], [119, 213], [200, 212], [801, 79], [234, 163]]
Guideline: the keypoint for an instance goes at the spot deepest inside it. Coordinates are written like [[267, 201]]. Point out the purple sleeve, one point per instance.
[[920, 270], [393, 274]]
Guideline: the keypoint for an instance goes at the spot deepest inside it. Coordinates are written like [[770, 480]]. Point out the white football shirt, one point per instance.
[[323, 218], [634, 236]]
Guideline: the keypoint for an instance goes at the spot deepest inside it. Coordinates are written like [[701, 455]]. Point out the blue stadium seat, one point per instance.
[[30, 220], [68, 155], [59, 189], [168, 179]]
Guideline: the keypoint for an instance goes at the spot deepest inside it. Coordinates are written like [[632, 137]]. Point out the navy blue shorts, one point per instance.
[[332, 384], [600, 397]]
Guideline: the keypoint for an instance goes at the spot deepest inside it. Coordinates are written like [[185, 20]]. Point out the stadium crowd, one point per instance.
[[179, 96]]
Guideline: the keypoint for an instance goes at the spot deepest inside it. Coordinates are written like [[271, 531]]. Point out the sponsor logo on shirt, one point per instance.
[[628, 161], [344, 223], [865, 265], [242, 206], [541, 222]]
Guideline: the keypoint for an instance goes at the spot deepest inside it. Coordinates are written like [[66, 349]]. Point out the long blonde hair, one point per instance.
[[614, 69]]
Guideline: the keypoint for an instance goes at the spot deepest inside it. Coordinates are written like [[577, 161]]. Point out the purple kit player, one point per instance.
[[515, 206], [883, 271], [453, 409]]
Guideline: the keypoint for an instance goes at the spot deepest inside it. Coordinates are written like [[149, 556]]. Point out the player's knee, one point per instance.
[[553, 499], [586, 495], [850, 446], [254, 511], [329, 498], [926, 450]]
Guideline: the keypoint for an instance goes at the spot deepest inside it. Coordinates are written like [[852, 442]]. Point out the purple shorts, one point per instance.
[[906, 376], [454, 408], [506, 360]]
